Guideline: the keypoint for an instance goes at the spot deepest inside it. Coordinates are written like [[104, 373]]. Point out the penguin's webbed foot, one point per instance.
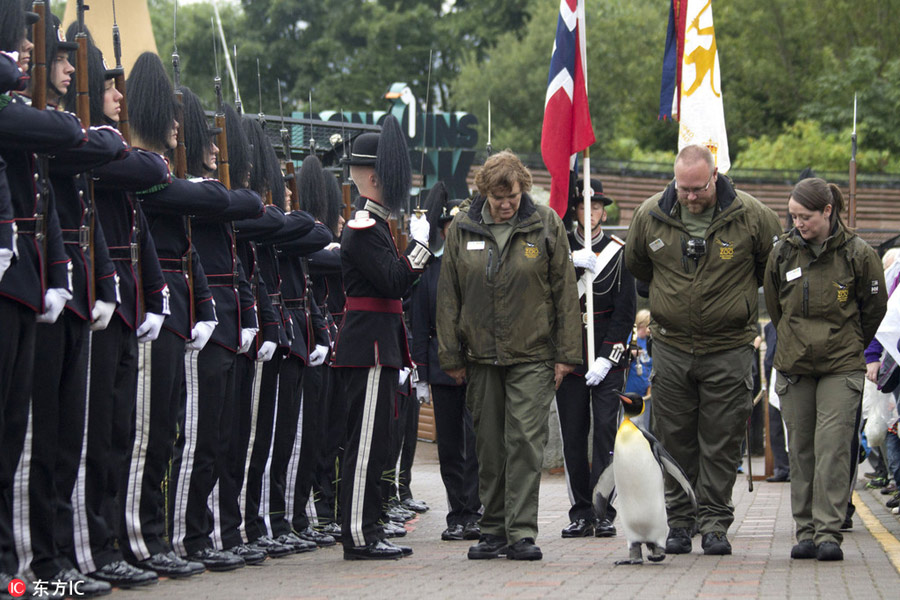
[[657, 553], [634, 555]]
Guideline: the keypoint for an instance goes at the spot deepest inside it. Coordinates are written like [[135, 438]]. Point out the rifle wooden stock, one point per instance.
[[347, 201], [180, 152], [292, 182], [851, 204], [83, 111], [124, 127], [222, 143]]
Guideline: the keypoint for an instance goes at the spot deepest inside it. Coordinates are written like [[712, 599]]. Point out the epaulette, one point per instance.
[[617, 239], [361, 220]]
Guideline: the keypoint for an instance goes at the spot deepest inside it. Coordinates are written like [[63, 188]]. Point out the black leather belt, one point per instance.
[[223, 280], [80, 236], [276, 299], [175, 265], [125, 253], [30, 226], [295, 303]]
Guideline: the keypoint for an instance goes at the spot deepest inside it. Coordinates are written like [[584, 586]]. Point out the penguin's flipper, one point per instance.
[[604, 490], [671, 467]]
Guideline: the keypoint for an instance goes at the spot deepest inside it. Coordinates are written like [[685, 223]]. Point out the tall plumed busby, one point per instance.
[[265, 175], [197, 133], [311, 187], [392, 165], [151, 102], [334, 202], [239, 152], [98, 74]]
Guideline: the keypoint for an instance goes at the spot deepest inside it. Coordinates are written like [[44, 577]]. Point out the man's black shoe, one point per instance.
[[26, 589], [393, 529], [679, 541], [333, 529], [894, 502], [578, 528], [829, 551], [377, 550], [488, 546], [316, 537], [121, 574], [406, 550], [452, 533], [779, 477], [848, 518], [804, 549], [217, 560], [298, 545], [81, 585], [604, 528], [524, 549], [167, 564], [271, 547], [472, 531], [715, 543], [399, 514], [251, 555], [415, 505]]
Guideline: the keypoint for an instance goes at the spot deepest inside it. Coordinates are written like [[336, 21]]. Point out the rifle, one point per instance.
[[124, 127], [83, 111], [261, 119], [286, 150], [222, 136], [238, 106], [851, 205], [346, 200], [181, 164], [39, 101]]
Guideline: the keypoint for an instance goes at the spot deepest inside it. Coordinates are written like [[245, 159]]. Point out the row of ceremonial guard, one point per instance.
[[165, 406]]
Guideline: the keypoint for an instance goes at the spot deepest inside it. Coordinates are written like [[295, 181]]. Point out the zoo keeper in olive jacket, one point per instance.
[[508, 321]]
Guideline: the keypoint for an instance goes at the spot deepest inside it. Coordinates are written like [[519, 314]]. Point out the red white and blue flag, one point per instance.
[[567, 127]]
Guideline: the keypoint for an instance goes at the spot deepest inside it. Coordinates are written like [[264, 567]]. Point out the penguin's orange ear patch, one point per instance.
[[625, 399]]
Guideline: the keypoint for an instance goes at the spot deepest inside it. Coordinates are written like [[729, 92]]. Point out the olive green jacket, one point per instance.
[[513, 307], [826, 309], [709, 304]]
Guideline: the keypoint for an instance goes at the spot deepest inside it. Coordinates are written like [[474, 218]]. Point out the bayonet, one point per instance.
[[124, 127], [312, 140], [489, 148], [261, 116], [851, 204], [286, 150], [237, 89], [419, 210]]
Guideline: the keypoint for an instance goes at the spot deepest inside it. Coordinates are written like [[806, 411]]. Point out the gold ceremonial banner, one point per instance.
[[133, 18]]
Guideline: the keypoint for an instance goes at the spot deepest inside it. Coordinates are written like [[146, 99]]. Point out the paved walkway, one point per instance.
[[759, 568]]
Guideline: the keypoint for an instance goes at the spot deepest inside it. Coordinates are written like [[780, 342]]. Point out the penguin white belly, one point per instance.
[[639, 485]]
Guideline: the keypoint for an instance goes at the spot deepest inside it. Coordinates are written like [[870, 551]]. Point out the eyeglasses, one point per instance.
[[687, 191]]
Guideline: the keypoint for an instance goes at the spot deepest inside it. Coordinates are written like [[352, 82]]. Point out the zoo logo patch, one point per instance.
[[726, 249], [531, 250], [843, 292]]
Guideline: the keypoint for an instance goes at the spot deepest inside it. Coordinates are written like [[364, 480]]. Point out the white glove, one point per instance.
[[422, 392], [404, 375], [333, 246], [248, 334], [6, 256], [150, 328], [598, 371], [200, 334], [585, 259], [54, 303], [101, 314], [317, 356], [266, 351], [419, 228]]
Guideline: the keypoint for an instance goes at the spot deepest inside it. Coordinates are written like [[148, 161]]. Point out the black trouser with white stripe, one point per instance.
[[160, 402], [371, 393], [287, 413], [305, 462], [45, 478], [16, 375], [209, 378], [575, 403], [409, 430], [334, 435], [110, 427], [256, 483], [456, 453], [239, 434]]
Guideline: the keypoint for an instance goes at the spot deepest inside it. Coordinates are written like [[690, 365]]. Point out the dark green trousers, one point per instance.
[[510, 407]]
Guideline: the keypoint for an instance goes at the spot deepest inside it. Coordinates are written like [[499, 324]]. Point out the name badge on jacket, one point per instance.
[[475, 245]]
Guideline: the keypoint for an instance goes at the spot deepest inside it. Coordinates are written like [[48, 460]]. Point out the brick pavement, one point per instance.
[[759, 568]]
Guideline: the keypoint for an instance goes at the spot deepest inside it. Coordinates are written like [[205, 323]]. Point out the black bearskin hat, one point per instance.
[[265, 176], [197, 132], [392, 165], [151, 101], [311, 187], [12, 24], [239, 154], [334, 202]]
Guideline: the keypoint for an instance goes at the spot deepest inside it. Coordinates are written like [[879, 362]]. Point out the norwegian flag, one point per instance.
[[567, 125]]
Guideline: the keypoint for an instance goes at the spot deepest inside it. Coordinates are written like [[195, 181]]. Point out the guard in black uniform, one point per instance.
[[592, 390], [371, 346]]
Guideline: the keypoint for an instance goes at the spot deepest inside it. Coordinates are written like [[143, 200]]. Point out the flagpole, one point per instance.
[[588, 243]]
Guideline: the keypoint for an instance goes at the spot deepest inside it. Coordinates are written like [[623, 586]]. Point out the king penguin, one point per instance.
[[635, 475]]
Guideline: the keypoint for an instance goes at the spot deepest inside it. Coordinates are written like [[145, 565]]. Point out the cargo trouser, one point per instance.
[[700, 408], [510, 408], [820, 413]]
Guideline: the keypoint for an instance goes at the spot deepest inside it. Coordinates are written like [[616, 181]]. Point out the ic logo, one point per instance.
[[16, 588]]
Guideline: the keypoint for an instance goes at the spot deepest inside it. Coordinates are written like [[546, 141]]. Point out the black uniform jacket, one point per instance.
[[423, 322], [25, 131], [308, 326], [615, 304], [125, 228], [248, 232], [373, 268], [214, 239], [327, 286], [74, 206], [167, 207]]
